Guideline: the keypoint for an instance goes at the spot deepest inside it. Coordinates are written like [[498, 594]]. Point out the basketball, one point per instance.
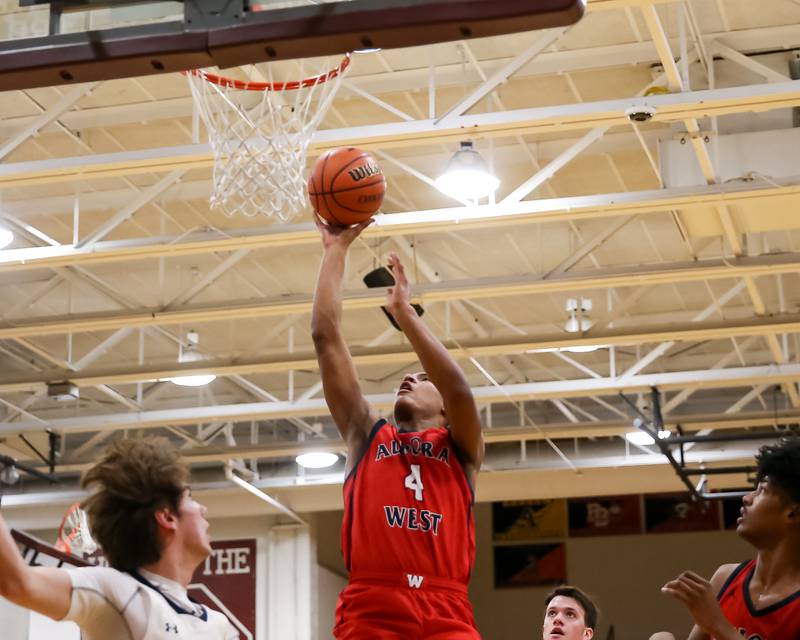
[[346, 186]]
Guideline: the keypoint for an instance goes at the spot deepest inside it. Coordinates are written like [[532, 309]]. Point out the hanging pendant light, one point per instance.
[[189, 353], [317, 459], [467, 176]]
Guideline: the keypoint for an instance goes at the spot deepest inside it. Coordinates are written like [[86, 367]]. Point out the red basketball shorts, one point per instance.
[[376, 607]]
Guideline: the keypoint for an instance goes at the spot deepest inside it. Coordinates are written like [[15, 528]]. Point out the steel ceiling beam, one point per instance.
[[534, 121], [402, 354], [746, 62], [427, 162], [496, 435], [543, 41], [721, 378], [453, 290], [62, 105], [416, 222], [565, 60], [662, 348], [610, 475], [141, 199]]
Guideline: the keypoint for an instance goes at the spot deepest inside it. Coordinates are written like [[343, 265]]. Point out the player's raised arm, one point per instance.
[[351, 412], [45, 590], [441, 368]]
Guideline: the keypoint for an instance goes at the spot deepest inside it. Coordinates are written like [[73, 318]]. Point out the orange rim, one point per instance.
[[293, 85]]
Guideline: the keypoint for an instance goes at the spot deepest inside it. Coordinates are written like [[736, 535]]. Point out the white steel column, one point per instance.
[[292, 588]]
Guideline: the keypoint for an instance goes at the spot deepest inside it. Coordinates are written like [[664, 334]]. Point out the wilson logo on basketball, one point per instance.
[[364, 171]]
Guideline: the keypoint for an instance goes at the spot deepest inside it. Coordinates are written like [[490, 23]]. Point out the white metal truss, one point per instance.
[[414, 222], [454, 290], [558, 389], [541, 120]]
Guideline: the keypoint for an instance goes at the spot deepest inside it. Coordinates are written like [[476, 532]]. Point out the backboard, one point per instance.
[[37, 553], [71, 41]]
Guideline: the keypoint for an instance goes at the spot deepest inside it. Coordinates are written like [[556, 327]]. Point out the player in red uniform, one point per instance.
[[408, 535], [758, 599]]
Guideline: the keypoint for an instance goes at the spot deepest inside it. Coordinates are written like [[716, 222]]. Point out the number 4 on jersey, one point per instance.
[[414, 482]]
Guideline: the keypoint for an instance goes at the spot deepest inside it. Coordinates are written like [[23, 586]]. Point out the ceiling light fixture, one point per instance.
[[467, 176], [6, 237], [189, 353], [9, 475], [583, 348], [578, 321], [644, 439], [317, 459]]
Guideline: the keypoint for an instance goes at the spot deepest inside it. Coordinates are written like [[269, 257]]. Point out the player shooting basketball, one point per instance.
[[408, 533], [153, 534]]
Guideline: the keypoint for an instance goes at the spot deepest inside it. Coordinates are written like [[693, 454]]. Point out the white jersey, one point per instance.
[[108, 604]]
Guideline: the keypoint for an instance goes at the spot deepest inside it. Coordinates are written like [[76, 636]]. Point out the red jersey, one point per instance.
[[779, 621], [408, 508]]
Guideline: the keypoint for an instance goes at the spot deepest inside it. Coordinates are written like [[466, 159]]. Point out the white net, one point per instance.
[[74, 535], [259, 134]]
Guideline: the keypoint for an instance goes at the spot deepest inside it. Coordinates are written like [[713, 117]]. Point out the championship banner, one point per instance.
[[605, 516], [672, 513], [226, 582], [521, 520], [530, 565]]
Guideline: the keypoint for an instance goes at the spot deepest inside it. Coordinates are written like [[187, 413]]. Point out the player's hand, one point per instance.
[[398, 296], [698, 595], [333, 236]]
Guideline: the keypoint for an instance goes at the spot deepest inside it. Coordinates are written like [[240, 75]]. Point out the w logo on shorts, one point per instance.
[[171, 628], [414, 582]]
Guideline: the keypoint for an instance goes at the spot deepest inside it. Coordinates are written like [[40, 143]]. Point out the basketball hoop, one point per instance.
[[260, 144], [73, 535]]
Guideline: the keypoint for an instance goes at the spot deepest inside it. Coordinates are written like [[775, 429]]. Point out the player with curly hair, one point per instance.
[[758, 599]]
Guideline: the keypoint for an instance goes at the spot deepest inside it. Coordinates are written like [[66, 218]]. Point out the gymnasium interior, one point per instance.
[[634, 274]]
